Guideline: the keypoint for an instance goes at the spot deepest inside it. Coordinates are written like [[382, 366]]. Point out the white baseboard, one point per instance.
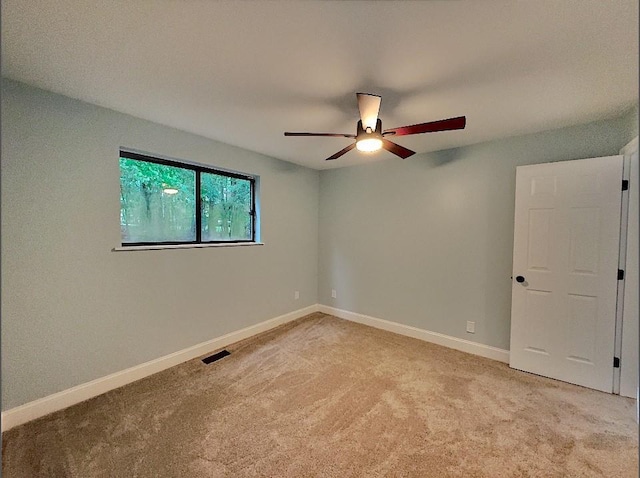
[[52, 403], [463, 345]]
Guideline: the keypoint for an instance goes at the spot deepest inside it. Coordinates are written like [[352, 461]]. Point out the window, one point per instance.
[[167, 202]]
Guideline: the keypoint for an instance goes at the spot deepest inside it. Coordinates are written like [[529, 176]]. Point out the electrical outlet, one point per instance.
[[471, 327], [334, 294], [296, 295]]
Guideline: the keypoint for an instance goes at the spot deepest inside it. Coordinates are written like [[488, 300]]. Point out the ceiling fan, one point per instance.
[[370, 137]]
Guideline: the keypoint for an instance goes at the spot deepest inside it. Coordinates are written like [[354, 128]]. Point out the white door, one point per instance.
[[565, 268]]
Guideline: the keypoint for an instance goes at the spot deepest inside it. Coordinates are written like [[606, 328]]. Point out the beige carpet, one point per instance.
[[330, 398]]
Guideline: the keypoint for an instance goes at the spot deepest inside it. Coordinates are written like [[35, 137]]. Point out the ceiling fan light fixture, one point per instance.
[[369, 145], [369, 140]]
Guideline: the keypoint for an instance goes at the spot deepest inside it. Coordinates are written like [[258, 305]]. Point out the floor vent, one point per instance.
[[216, 356]]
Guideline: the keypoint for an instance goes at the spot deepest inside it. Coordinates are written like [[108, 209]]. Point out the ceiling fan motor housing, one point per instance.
[[363, 134]]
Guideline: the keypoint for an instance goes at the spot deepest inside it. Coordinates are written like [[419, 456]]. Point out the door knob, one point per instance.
[[519, 279]]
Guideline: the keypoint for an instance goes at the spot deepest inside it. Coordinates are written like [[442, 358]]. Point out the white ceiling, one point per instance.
[[243, 72]]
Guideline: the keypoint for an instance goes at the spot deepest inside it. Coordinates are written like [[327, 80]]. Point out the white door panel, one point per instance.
[[566, 241]]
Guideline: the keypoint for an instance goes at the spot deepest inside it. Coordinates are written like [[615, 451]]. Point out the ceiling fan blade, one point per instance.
[[369, 106], [341, 152], [335, 135], [431, 127], [396, 149]]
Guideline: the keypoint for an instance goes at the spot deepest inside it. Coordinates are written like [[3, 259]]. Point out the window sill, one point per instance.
[[185, 246]]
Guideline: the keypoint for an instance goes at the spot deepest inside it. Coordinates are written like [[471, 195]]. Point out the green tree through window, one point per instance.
[[159, 203], [226, 208]]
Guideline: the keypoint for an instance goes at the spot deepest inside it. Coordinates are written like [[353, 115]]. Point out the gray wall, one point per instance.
[[73, 310], [427, 241], [630, 123]]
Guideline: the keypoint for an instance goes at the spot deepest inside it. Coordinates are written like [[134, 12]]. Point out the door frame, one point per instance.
[[627, 328]]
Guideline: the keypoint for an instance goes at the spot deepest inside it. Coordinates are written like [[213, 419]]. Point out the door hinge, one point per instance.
[[625, 184], [616, 362], [620, 274]]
